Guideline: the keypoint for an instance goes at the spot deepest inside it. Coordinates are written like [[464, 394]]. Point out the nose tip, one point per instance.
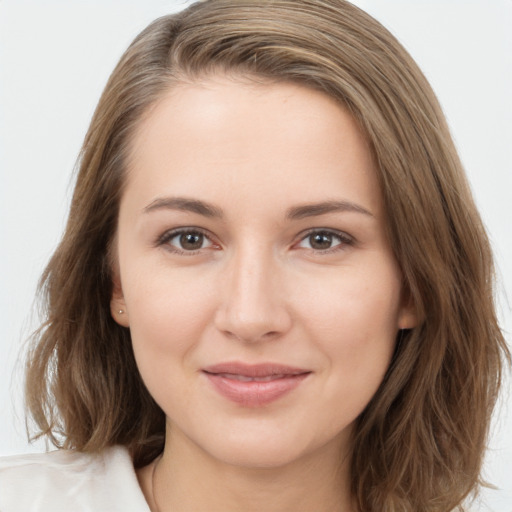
[[253, 306], [250, 329]]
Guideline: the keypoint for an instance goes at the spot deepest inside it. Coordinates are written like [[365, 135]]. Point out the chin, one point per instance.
[[257, 455], [258, 448]]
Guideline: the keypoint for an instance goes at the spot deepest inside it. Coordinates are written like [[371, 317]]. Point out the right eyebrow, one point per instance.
[[184, 204]]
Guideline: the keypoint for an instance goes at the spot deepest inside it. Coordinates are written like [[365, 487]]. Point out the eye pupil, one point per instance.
[[191, 241], [320, 240]]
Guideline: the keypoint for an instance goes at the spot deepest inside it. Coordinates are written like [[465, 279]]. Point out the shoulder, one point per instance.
[[66, 480]]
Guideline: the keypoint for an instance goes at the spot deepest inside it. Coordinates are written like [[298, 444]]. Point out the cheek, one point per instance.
[[357, 304], [168, 312], [353, 321]]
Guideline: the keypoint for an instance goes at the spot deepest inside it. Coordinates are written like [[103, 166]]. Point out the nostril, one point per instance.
[[249, 337]]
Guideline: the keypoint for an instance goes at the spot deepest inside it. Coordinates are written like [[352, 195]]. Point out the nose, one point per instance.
[[252, 300]]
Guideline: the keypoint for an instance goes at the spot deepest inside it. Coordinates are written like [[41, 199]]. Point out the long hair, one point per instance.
[[418, 445]]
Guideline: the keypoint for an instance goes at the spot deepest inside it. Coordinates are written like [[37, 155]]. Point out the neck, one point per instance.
[[186, 478]]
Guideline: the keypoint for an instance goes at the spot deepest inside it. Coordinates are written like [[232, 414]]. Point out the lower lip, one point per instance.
[[254, 393]]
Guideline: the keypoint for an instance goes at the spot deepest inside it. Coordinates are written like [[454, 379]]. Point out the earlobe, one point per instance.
[[119, 312], [118, 308], [408, 317]]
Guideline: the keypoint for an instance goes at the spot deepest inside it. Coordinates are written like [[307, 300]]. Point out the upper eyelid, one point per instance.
[[332, 231], [170, 233], [163, 241]]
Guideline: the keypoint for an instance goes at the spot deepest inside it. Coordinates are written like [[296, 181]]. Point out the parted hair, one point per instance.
[[419, 444]]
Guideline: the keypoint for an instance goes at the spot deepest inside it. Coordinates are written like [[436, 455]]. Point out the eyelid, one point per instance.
[[345, 239], [166, 236]]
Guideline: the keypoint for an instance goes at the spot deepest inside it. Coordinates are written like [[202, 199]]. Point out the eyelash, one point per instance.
[[166, 238], [344, 240]]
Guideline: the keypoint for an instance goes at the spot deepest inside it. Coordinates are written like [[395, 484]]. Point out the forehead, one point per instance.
[[278, 141]]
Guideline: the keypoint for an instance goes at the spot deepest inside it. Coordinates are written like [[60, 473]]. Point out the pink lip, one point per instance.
[[254, 385]]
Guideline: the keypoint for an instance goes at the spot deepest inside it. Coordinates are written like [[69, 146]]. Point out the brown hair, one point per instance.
[[83, 388]]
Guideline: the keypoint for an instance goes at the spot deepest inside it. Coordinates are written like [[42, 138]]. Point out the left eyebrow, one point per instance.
[[314, 209]]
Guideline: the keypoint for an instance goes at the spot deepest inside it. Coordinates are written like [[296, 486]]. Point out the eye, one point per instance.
[[185, 240], [325, 240]]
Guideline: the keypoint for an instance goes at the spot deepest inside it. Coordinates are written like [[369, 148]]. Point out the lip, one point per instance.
[[254, 385]]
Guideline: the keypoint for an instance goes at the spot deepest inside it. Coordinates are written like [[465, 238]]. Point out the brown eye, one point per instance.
[[185, 241], [191, 241], [320, 241], [325, 240]]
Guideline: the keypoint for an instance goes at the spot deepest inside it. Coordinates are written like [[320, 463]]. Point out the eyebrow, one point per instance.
[[312, 210], [294, 213], [184, 204]]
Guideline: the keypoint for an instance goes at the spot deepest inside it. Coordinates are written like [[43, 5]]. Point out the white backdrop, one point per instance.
[[55, 57]]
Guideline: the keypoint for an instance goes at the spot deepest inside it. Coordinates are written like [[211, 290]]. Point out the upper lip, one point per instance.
[[254, 370]]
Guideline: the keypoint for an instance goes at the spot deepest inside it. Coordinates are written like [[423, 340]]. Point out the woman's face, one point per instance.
[[254, 271]]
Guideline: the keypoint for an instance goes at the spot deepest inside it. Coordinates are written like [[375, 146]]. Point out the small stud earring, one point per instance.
[[120, 311]]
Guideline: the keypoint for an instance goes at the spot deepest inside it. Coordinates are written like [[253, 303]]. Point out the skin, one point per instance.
[[257, 288]]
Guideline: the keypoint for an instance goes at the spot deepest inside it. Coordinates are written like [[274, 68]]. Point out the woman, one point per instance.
[[273, 279]]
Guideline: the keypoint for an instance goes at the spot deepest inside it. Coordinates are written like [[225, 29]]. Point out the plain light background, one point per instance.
[[55, 57]]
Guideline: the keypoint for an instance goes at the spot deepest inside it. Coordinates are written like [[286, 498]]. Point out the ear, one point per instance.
[[408, 317], [118, 308]]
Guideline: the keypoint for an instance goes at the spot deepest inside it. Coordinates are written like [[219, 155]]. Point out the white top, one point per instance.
[[69, 481]]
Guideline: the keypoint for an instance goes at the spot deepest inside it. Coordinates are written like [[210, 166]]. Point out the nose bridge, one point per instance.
[[253, 304]]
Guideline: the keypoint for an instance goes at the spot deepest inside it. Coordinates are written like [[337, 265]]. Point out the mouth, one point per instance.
[[245, 378], [254, 385]]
